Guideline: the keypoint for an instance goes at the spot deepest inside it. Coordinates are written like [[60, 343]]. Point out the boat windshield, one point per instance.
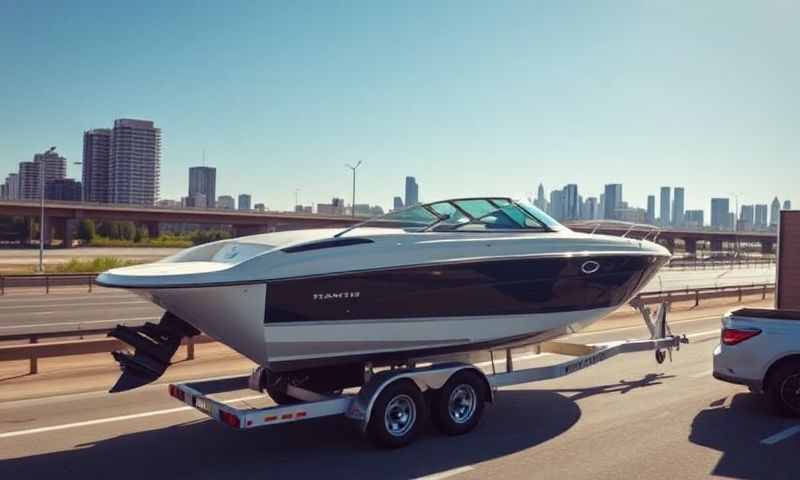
[[467, 214]]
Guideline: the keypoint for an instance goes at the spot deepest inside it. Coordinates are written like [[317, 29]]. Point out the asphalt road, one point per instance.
[[22, 308], [626, 418]]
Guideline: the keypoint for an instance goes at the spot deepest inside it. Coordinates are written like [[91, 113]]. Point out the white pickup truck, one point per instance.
[[760, 348]]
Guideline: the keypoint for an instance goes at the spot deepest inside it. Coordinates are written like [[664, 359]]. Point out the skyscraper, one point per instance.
[[557, 204], [226, 202], [244, 201], [12, 186], [541, 201], [694, 218], [135, 166], [761, 216], [677, 207], [774, 212], [746, 218], [571, 199], [590, 211], [720, 210], [412, 192], [612, 198], [54, 166], [664, 219], [96, 160], [63, 189], [203, 180], [787, 204], [650, 217], [398, 203]]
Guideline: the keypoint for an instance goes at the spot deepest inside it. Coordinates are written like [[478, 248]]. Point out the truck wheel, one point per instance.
[[458, 405], [783, 389], [396, 415]]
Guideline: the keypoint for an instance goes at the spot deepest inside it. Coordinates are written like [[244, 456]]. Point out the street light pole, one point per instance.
[[353, 168], [41, 204]]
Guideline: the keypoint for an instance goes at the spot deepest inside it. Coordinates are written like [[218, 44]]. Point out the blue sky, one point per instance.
[[470, 97]]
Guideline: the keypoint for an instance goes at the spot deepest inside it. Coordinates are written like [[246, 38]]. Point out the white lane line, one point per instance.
[[85, 322], [780, 436], [113, 419], [79, 304], [702, 374], [634, 327], [447, 473], [707, 333]]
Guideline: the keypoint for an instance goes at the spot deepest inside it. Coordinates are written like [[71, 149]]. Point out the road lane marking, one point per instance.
[[447, 473], [780, 436], [79, 304], [120, 418], [702, 374], [707, 333], [642, 326]]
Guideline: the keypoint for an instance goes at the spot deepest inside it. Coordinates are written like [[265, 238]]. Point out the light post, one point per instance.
[[41, 204], [353, 168]]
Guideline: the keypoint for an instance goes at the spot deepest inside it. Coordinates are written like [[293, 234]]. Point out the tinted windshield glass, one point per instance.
[[414, 217], [540, 215]]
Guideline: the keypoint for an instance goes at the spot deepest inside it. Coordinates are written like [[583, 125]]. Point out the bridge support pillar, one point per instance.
[[767, 247], [716, 245], [669, 243], [49, 226], [70, 229], [153, 229], [691, 246], [245, 230]]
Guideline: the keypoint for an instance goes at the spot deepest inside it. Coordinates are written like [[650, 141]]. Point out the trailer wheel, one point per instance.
[[458, 405], [275, 386], [396, 415], [783, 389]]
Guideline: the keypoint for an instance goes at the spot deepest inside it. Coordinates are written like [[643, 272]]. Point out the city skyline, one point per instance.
[[640, 94]]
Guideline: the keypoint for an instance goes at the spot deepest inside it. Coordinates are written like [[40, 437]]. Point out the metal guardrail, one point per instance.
[[704, 264], [34, 350], [47, 280]]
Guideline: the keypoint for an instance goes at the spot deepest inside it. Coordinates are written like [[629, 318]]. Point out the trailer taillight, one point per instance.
[[229, 419], [732, 336], [177, 393]]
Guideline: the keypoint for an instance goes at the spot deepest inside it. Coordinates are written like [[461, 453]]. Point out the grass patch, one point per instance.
[[156, 242], [96, 265]]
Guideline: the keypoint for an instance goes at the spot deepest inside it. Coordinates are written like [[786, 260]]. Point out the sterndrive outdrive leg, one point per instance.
[[154, 345]]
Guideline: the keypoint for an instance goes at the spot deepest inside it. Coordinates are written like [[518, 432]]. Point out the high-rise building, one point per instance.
[[226, 202], [260, 207], [54, 167], [787, 204], [760, 221], [612, 200], [747, 218], [650, 217], [693, 218], [244, 201], [412, 192], [774, 212], [541, 201], [720, 210], [557, 204], [664, 218], [63, 189], [203, 180], [12, 186], [590, 209], [571, 202], [28, 181], [677, 206], [196, 200], [96, 162], [398, 203], [135, 165]]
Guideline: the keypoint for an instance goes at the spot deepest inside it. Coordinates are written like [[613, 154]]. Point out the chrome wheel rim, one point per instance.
[[462, 403], [401, 413], [790, 392]]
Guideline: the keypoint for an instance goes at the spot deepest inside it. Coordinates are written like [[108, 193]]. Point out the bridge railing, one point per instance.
[[66, 344], [47, 281]]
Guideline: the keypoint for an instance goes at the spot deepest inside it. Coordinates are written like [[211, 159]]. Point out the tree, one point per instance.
[[142, 234], [87, 230]]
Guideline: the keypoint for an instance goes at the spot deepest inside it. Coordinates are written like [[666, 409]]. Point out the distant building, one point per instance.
[[590, 208], [774, 212], [167, 203], [54, 167], [12, 187], [677, 206], [398, 203], [746, 218], [556, 204], [720, 210], [361, 209], [63, 189], [135, 166], [612, 197], [244, 201], [196, 200], [634, 215], [336, 207], [787, 204], [260, 207], [541, 201], [572, 202], [412, 192], [226, 202], [760, 221], [693, 218], [96, 161], [203, 181], [650, 216], [664, 218]]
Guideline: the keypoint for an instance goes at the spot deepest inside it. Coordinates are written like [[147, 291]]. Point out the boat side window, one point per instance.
[[497, 214], [451, 216]]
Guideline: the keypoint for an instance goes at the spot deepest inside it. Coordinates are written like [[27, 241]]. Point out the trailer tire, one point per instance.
[[783, 389], [397, 415], [457, 406]]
